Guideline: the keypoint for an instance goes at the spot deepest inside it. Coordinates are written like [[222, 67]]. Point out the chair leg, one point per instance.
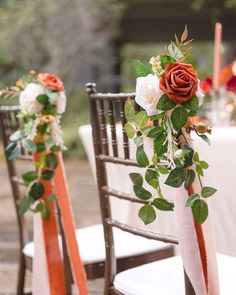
[[21, 275], [188, 286]]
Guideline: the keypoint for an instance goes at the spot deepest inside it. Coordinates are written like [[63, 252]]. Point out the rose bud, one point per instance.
[[202, 128], [179, 154]]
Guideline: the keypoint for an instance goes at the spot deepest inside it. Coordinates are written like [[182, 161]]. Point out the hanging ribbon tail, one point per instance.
[[69, 228], [50, 250], [197, 246], [40, 270], [210, 259]]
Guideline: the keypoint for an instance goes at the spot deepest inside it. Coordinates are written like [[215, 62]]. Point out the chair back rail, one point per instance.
[[108, 108]]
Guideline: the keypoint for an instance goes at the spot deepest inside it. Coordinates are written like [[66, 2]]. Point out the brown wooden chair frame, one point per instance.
[[103, 108]]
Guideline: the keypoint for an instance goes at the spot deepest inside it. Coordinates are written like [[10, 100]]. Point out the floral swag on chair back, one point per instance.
[[43, 101], [169, 91]]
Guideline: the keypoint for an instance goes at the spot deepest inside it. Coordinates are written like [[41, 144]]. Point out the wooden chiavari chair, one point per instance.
[[162, 276]]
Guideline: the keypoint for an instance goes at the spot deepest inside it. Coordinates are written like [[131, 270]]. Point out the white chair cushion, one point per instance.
[[92, 246], [166, 277]]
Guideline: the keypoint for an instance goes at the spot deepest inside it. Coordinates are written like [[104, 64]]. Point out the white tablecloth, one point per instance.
[[221, 174]]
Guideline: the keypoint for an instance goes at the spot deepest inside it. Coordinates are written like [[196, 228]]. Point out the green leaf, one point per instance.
[[146, 130], [151, 177], [208, 191], [199, 170], [166, 59], [147, 214], [42, 128], [136, 178], [39, 207], [24, 205], [141, 69], [47, 174], [51, 161], [165, 104], [129, 109], [15, 136], [141, 192], [203, 164], [138, 140], [37, 190], [196, 157], [205, 138], [192, 104], [42, 98], [179, 117], [200, 211], [30, 176], [160, 146], [155, 159], [191, 199], [13, 150], [141, 157], [29, 146], [163, 204], [46, 212], [188, 155], [163, 170], [176, 177], [50, 198], [49, 143], [40, 147], [141, 119], [155, 132], [189, 179], [129, 130], [55, 148]]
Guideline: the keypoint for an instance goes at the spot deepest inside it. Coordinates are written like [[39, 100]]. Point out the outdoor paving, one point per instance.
[[86, 211]]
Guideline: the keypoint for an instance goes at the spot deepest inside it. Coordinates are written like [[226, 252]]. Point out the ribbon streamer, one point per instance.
[[48, 237], [68, 224], [51, 248]]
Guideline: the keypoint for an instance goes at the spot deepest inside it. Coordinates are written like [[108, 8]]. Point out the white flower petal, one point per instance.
[[148, 93], [28, 98]]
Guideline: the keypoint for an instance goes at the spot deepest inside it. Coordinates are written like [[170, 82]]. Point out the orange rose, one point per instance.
[[179, 82], [51, 81]]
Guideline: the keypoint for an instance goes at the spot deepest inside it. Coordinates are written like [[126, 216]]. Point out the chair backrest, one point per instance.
[[108, 109], [9, 122]]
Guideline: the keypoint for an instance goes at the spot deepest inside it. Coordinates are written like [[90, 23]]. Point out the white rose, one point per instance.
[[28, 98], [200, 93], [148, 93]]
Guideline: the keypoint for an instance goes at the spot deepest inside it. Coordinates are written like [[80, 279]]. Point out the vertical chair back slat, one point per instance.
[[103, 126], [125, 137], [111, 114]]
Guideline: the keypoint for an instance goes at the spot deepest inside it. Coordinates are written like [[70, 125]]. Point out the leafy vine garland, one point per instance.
[[42, 101], [169, 92]]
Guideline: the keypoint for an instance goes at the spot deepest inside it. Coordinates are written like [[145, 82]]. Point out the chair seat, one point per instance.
[[92, 246], [166, 277]]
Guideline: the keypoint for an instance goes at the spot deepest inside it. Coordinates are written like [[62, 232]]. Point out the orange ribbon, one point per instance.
[[68, 224], [52, 249], [50, 232], [201, 244]]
